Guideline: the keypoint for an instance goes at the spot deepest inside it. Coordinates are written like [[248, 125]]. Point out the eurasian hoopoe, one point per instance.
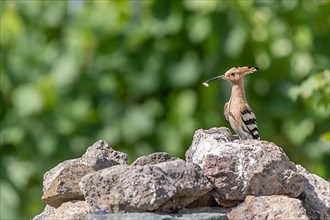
[[237, 111]]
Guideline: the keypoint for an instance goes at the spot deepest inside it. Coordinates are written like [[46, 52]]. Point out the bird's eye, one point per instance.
[[232, 74]]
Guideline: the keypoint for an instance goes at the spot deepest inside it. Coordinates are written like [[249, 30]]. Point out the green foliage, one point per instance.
[[130, 72], [315, 90]]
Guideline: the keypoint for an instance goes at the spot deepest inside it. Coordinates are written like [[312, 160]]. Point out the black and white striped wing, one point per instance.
[[249, 122]]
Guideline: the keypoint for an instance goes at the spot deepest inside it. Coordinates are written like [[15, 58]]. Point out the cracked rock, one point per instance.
[[61, 183], [165, 186], [243, 167]]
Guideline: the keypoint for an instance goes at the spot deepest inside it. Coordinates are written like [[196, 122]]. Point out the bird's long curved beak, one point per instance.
[[212, 79]]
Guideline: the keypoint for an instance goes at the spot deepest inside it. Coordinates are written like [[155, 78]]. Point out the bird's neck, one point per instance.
[[238, 92]]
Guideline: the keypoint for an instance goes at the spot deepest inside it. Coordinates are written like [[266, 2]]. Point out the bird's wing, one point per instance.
[[249, 121], [226, 112]]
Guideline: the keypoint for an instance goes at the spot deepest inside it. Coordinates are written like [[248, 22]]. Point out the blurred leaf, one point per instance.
[[48, 144], [316, 86], [79, 108], [185, 72], [303, 37], [136, 124], [326, 137], [65, 71], [186, 104], [19, 171], [301, 65], [318, 149], [201, 5], [54, 13], [298, 131], [12, 135], [9, 200], [11, 26], [281, 47], [199, 27], [27, 100], [235, 41]]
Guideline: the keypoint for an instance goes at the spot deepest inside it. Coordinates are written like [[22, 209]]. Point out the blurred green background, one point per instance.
[[130, 72]]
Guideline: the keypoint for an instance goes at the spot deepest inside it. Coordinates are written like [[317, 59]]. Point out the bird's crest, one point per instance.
[[244, 70]]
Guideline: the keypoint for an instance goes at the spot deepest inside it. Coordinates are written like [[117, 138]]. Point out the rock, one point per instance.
[[100, 155], [61, 183], [203, 201], [203, 210], [48, 211], [165, 186], [189, 182], [72, 210], [202, 137], [131, 216], [65, 186], [68, 210], [269, 207], [200, 214], [316, 195], [227, 203], [243, 167], [154, 158], [219, 170]]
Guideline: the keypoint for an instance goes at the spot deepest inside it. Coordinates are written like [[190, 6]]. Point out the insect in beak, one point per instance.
[[206, 83]]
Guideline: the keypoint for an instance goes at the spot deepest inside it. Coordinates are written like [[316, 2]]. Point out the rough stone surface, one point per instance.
[[269, 207], [316, 195], [100, 155], [243, 167], [72, 210], [78, 210], [189, 182], [163, 187], [154, 158], [255, 175], [65, 186], [186, 214], [61, 183], [44, 215], [212, 136]]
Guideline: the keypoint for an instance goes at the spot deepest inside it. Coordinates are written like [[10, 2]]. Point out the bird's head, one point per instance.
[[234, 75]]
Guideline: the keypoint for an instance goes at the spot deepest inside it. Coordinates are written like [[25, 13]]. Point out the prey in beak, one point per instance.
[[206, 83]]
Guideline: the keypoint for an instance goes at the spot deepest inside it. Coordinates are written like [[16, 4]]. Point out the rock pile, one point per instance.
[[221, 178]]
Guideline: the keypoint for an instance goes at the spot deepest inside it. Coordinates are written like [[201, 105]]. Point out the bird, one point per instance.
[[237, 111]]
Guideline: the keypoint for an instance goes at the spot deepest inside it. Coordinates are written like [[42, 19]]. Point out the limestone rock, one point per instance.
[[316, 195], [243, 167], [77, 210], [154, 158], [269, 208], [61, 183], [165, 186]]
